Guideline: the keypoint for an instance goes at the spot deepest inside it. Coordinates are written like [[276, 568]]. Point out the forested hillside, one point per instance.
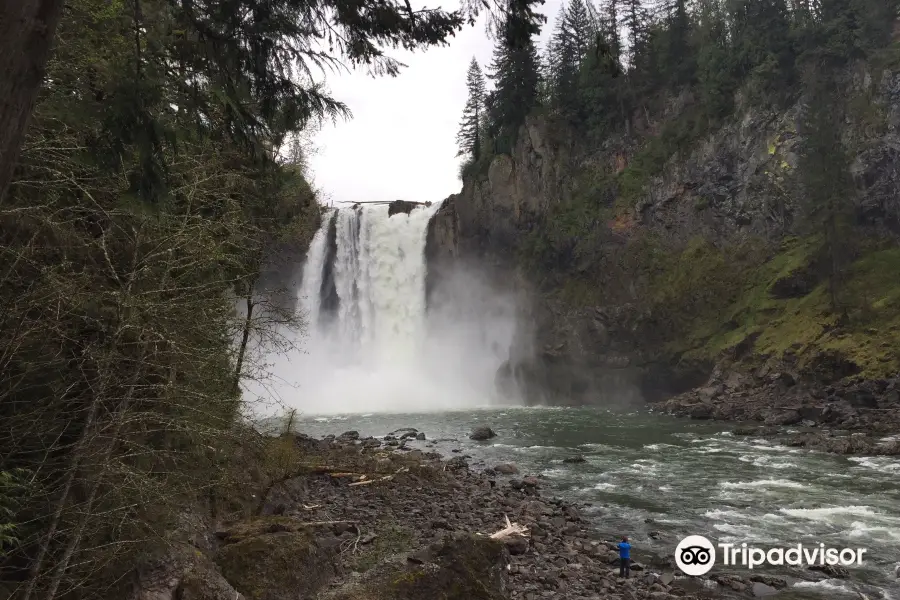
[[687, 183], [149, 188]]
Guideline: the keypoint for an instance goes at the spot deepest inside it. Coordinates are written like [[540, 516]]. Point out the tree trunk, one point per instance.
[[245, 339], [27, 28]]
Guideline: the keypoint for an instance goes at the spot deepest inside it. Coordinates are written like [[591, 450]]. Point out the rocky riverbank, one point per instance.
[[375, 519], [854, 417]]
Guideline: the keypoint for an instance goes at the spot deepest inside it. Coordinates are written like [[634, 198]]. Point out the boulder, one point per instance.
[[574, 459], [482, 433], [277, 559], [462, 567], [701, 411], [184, 574], [506, 469], [348, 436]]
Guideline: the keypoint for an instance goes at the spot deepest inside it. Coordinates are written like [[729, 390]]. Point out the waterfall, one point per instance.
[[310, 293], [379, 275], [372, 343]]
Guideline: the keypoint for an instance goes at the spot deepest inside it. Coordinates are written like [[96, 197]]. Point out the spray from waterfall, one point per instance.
[[380, 346]]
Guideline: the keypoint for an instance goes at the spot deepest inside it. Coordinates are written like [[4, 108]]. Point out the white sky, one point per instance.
[[401, 141]]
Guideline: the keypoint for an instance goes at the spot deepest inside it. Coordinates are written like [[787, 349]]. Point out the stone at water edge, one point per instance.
[[480, 434], [506, 469]]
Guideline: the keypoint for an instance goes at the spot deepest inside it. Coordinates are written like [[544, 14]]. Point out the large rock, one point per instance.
[[482, 433], [401, 206], [184, 574], [463, 567], [277, 559]]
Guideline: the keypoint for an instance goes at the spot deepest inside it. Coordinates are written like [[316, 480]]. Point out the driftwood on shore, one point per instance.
[[510, 530]]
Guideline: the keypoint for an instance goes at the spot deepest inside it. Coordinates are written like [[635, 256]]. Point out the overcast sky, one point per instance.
[[401, 141]]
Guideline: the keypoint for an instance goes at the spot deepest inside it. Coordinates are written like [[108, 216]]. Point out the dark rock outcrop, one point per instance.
[[277, 559], [462, 567], [441, 247], [401, 206]]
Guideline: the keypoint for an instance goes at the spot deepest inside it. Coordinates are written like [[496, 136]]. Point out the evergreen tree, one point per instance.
[[824, 173], [515, 73], [609, 19], [469, 137], [680, 62], [568, 47], [636, 19], [715, 79], [763, 49]]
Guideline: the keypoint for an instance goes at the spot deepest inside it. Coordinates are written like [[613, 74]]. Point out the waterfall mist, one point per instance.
[[373, 342]]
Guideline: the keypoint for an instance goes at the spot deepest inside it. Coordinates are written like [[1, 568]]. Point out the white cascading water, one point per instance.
[[309, 294], [383, 350]]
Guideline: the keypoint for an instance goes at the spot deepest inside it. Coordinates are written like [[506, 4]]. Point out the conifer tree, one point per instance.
[[636, 18], [568, 47], [515, 73], [679, 59], [469, 137]]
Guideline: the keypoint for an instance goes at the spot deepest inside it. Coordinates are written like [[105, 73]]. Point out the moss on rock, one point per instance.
[[463, 567], [286, 564], [861, 339]]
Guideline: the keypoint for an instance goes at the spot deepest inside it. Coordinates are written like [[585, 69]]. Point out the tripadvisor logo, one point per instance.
[[696, 555]]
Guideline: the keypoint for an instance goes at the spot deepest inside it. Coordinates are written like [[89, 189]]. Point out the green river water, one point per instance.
[[659, 479]]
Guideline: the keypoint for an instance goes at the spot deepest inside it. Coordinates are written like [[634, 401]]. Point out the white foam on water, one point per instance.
[[827, 585], [604, 486], [763, 483], [830, 513], [877, 463]]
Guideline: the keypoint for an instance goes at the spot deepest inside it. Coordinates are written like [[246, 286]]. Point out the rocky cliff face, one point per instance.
[[735, 183]]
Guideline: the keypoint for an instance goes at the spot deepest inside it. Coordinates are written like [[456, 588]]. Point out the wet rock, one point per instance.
[[404, 430], [348, 436], [482, 433], [833, 571], [701, 412], [761, 590], [787, 417], [420, 436], [574, 459], [506, 469], [401, 206], [771, 580]]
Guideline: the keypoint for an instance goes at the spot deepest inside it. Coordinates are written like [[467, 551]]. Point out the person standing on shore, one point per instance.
[[624, 558]]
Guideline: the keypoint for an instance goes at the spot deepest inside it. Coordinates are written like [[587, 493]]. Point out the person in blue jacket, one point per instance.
[[624, 558]]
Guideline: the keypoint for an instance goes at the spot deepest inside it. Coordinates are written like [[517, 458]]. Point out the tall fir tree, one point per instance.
[[570, 42], [636, 19], [515, 73], [469, 138], [679, 59]]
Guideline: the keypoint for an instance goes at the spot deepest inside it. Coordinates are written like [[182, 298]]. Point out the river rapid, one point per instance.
[[658, 479]]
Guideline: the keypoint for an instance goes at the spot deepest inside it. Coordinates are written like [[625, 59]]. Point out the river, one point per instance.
[[658, 479]]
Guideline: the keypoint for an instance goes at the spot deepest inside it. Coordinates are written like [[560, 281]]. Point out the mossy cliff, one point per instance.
[[655, 257]]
